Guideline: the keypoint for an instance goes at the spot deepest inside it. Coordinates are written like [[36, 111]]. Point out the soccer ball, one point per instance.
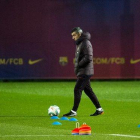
[[54, 110]]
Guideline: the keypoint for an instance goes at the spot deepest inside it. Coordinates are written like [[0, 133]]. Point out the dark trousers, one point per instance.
[[83, 83]]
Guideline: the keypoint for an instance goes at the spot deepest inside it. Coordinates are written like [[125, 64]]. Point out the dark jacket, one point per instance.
[[84, 55]]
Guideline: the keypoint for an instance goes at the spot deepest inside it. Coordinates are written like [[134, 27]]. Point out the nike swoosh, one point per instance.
[[134, 61], [31, 62]]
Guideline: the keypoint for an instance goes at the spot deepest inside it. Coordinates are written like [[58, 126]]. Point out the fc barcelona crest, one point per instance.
[[63, 61], [73, 60]]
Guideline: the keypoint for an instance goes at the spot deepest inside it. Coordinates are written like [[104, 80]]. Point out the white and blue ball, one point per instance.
[[53, 110]]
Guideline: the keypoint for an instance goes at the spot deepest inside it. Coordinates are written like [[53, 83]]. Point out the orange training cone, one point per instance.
[[83, 130]]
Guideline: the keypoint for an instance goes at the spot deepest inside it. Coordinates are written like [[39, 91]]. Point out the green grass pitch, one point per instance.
[[24, 105]]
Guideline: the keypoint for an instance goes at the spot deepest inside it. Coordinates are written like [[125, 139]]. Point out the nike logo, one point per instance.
[[134, 61], [31, 62]]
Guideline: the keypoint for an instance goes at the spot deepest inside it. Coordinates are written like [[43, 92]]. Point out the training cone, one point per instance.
[[64, 118], [54, 117], [73, 119], [76, 130], [56, 123], [83, 130]]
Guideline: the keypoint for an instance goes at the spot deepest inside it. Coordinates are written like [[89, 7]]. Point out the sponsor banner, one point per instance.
[[111, 60], [36, 42], [36, 68]]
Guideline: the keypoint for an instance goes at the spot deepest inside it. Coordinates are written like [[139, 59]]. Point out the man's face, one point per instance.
[[75, 35]]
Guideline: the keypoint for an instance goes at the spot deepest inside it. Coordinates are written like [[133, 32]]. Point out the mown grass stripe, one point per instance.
[[118, 135]]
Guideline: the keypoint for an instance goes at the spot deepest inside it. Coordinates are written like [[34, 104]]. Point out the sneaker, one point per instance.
[[98, 112], [71, 114]]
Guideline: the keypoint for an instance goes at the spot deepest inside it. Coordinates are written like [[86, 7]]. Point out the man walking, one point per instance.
[[84, 71]]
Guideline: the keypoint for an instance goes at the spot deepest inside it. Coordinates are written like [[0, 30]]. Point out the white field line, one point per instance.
[[121, 135], [118, 135]]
